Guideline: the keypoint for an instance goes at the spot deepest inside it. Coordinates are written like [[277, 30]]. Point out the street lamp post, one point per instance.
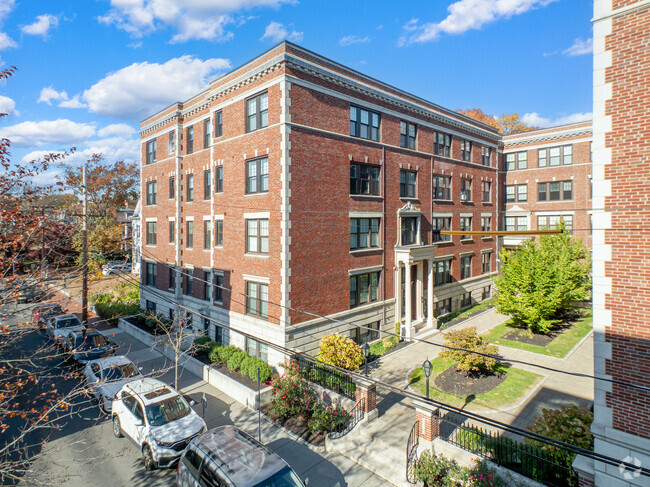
[[366, 351], [426, 368]]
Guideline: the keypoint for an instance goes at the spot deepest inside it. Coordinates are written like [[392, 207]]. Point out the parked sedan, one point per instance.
[[58, 327], [116, 267], [106, 376], [86, 345], [43, 312]]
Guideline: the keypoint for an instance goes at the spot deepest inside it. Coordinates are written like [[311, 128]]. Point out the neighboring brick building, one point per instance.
[[621, 252], [307, 187], [547, 177]]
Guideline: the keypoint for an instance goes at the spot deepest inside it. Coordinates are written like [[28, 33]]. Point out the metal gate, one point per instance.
[[412, 452]]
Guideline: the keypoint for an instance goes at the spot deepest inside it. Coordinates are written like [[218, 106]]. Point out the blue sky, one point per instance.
[[90, 70]]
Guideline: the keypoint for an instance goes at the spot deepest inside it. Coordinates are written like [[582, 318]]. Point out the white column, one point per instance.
[[419, 291], [430, 293], [398, 293], [407, 302]]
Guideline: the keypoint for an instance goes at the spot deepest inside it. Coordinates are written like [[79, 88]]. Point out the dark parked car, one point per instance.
[[85, 345], [42, 312]]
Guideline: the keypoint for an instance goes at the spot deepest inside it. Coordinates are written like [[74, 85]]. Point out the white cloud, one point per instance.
[[6, 6], [42, 25], [129, 93], [537, 120], [61, 131], [8, 106], [191, 19], [116, 129], [74, 102], [352, 39], [277, 32], [6, 42], [49, 93], [135, 45], [466, 15], [580, 47]]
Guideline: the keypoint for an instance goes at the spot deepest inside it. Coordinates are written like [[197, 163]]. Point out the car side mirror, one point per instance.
[[138, 422], [307, 482], [192, 402], [140, 368]]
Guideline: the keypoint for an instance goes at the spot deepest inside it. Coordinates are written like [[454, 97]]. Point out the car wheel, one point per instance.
[[117, 429], [147, 458]]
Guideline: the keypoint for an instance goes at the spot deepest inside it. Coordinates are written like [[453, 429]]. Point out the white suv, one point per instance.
[[157, 419]]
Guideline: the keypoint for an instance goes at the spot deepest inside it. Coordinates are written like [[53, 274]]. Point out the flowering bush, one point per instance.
[[436, 470], [480, 475], [340, 351], [291, 394], [468, 339], [326, 419]]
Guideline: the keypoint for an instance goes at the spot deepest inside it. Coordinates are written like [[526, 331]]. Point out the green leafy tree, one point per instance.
[[541, 279]]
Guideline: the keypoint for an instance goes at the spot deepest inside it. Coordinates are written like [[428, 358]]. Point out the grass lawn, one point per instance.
[[477, 308], [559, 347], [511, 390]]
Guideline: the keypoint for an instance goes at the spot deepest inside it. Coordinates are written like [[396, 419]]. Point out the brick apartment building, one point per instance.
[[310, 191]]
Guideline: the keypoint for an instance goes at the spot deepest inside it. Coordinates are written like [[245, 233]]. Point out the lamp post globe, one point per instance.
[[427, 369]]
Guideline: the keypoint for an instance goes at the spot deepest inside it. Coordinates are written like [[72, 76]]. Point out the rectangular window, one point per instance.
[[189, 143], [218, 129], [207, 288], [151, 151], [465, 226], [364, 179], [441, 187], [486, 153], [465, 150], [486, 191], [442, 144], [486, 223], [486, 262], [522, 192], [466, 300], [190, 187], [541, 158], [567, 192], [554, 156], [172, 231], [257, 299], [188, 276], [366, 334], [364, 233], [516, 223], [218, 176], [443, 307], [510, 162], [151, 233], [172, 277], [552, 222], [591, 188], [257, 176], [364, 123], [407, 184], [487, 292], [466, 190], [172, 187], [218, 287], [207, 234], [553, 191], [364, 288], [150, 306], [466, 267], [510, 194], [441, 223], [207, 133], [541, 192], [567, 156], [207, 184], [253, 349], [172, 142], [522, 160], [407, 133], [152, 274], [218, 234], [189, 237], [442, 272], [257, 236], [409, 230], [257, 112], [152, 191]]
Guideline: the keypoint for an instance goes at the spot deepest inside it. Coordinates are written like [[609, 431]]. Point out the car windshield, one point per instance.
[[122, 371], [284, 478], [166, 411], [90, 341], [68, 322]]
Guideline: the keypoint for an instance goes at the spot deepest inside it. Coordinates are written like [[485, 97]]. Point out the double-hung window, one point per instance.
[[442, 144], [207, 234], [218, 129], [152, 232], [516, 223], [152, 192], [466, 267], [441, 187], [257, 175], [510, 162], [151, 151], [257, 112], [466, 150], [218, 233], [257, 236], [443, 307], [486, 187], [486, 223], [486, 262], [364, 288], [188, 276], [152, 273], [555, 191], [218, 179], [189, 142], [172, 142], [207, 184], [442, 272], [465, 226], [522, 160], [172, 231], [257, 299], [407, 134], [552, 222], [407, 184], [207, 286], [522, 192], [510, 193], [364, 123], [465, 190], [172, 187], [409, 230], [207, 133], [218, 287], [189, 181], [364, 179], [555, 156], [441, 223], [364, 233], [189, 234], [486, 153], [172, 278]]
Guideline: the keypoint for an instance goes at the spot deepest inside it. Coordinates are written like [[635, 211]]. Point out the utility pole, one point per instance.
[[42, 239], [84, 257]]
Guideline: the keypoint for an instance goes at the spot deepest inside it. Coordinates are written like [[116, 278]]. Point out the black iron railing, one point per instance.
[[327, 377], [412, 453], [526, 459], [358, 412]]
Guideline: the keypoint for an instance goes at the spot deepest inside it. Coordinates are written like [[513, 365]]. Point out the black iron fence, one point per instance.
[[358, 412], [412, 453], [527, 459], [327, 377]]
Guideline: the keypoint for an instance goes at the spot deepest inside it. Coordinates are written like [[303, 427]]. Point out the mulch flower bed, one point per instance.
[[135, 321], [459, 383], [298, 425]]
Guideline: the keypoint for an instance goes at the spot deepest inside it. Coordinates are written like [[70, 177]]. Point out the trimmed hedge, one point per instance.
[[235, 359]]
